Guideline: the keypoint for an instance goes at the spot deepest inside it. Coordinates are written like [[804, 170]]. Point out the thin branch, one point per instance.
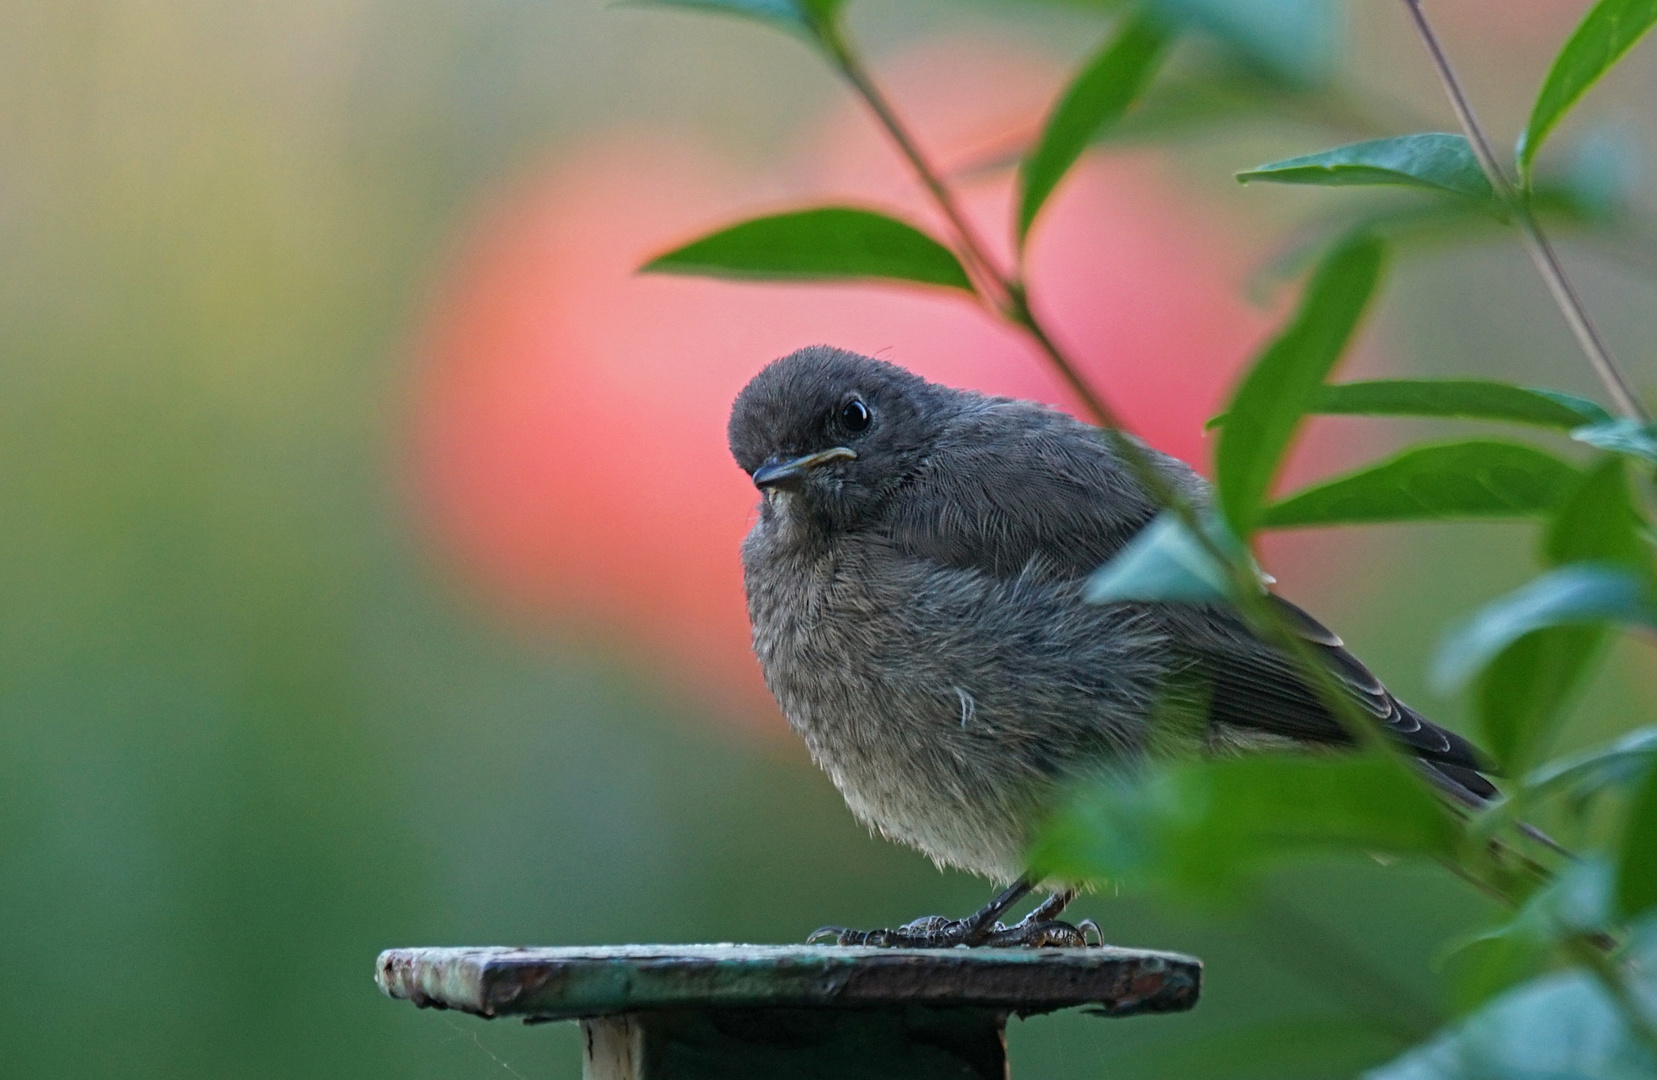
[[1006, 295], [1019, 312], [972, 246], [1003, 292], [1536, 242]]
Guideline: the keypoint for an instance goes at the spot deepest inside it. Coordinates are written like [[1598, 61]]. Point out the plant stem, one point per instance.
[[1018, 310], [1616, 381], [1006, 296], [1004, 293], [971, 245]]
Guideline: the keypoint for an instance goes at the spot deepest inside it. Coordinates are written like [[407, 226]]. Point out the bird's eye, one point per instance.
[[854, 415]]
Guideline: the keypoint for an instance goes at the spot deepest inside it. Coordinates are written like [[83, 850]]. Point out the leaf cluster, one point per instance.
[[1565, 985]]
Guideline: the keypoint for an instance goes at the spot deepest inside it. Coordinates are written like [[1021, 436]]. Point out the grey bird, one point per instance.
[[915, 580]]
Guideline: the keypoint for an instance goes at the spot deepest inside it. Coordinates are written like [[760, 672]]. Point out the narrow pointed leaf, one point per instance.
[[1097, 98], [1297, 41], [1203, 828], [1550, 1028], [1468, 399], [1610, 29], [827, 244], [1284, 381], [1634, 438], [1577, 901], [1637, 866], [1164, 563], [1599, 522], [807, 17], [1461, 399], [1434, 160], [1579, 594], [1525, 693], [1622, 761], [1472, 479]]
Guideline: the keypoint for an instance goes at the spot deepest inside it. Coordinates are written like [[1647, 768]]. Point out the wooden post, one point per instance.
[[762, 1012]]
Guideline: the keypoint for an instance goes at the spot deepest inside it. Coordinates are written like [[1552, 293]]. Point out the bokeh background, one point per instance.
[[367, 540]]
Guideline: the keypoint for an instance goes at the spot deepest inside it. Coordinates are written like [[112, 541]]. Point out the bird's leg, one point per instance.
[[1043, 927], [935, 931]]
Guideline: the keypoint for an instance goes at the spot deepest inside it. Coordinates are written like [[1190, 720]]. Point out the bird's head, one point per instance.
[[831, 434]]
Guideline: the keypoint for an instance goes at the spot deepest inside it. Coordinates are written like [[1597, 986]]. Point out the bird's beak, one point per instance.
[[782, 474]]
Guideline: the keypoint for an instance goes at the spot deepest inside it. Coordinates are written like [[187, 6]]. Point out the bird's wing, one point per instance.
[[1255, 688], [1012, 485]]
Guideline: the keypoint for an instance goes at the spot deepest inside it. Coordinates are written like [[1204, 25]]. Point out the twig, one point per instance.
[[1003, 292], [1536, 242], [971, 245], [1006, 295], [1019, 312]]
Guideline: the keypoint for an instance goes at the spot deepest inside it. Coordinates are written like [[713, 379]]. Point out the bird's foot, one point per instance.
[[927, 932], [1041, 928], [1047, 933]]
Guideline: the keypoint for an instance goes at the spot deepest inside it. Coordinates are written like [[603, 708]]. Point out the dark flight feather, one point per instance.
[[1066, 505]]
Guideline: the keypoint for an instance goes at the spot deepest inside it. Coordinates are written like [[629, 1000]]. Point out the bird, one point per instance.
[[915, 579]]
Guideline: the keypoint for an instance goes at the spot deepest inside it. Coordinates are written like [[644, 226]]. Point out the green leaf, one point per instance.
[[1475, 478], [1637, 866], [1202, 828], [1633, 438], [1576, 902], [1467, 399], [1583, 593], [1436, 161], [1621, 762], [1551, 1028], [810, 17], [1525, 692], [1608, 31], [1296, 40], [1486, 964], [826, 244], [1598, 521], [1284, 381], [1461, 399], [1164, 562], [1097, 98]]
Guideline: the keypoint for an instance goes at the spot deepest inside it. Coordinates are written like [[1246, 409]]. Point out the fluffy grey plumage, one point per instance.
[[914, 582]]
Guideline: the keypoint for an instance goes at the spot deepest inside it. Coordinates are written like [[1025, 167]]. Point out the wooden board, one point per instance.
[[570, 983]]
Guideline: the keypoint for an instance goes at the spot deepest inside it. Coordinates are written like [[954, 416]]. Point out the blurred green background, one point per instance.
[[251, 732]]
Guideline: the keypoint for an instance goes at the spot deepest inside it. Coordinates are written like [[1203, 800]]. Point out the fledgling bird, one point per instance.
[[915, 581]]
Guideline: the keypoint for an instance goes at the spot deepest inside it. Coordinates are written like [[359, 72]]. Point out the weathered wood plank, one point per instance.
[[571, 983]]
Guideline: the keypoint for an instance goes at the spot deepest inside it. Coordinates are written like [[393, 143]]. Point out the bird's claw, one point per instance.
[[938, 932], [928, 932], [1047, 933]]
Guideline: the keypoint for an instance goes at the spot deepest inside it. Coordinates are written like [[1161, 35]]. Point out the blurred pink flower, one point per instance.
[[568, 438]]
